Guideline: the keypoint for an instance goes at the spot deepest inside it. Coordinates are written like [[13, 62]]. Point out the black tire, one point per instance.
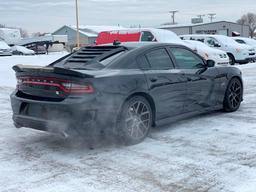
[[135, 120], [233, 95], [232, 60]]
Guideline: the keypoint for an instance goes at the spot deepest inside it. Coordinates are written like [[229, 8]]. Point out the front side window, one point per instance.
[[212, 42], [186, 59], [159, 59], [147, 36]]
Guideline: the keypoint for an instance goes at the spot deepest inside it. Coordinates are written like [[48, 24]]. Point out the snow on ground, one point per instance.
[[213, 152], [7, 75]]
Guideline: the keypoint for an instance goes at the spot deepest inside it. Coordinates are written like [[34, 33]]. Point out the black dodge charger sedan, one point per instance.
[[123, 90]]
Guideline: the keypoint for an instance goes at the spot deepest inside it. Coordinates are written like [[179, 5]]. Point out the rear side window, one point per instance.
[[159, 59], [186, 59], [240, 41]]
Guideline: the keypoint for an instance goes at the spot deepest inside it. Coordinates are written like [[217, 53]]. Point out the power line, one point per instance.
[[173, 16]]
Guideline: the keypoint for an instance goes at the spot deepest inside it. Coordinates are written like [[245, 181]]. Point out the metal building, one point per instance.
[[219, 27], [88, 34]]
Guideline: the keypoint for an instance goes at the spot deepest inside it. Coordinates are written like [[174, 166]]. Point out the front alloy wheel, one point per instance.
[[233, 97]]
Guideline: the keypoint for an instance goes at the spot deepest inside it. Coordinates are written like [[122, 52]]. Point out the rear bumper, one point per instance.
[[65, 118]]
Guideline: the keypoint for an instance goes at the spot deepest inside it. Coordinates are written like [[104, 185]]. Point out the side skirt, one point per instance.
[[183, 116]]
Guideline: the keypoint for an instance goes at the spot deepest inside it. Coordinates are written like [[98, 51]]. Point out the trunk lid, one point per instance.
[[51, 83]]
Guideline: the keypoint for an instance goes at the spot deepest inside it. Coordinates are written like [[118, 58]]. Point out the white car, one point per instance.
[[140, 35], [239, 53], [5, 50], [247, 41], [208, 53], [21, 50]]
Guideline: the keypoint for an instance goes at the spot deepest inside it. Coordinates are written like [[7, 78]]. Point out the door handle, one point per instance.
[[153, 79]]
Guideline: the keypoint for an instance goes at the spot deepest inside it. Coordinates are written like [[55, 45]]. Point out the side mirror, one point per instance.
[[210, 63]]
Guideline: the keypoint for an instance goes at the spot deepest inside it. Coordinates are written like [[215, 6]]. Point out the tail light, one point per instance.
[[77, 88], [47, 83]]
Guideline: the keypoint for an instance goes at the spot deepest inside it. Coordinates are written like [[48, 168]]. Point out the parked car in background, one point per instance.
[[21, 50], [122, 90], [247, 41], [208, 53], [238, 53], [38, 49], [5, 50], [140, 35], [56, 47]]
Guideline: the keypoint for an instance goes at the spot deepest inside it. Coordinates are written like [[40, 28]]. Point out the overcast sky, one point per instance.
[[49, 15]]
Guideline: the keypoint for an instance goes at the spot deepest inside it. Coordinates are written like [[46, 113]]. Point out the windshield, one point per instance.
[[111, 58]]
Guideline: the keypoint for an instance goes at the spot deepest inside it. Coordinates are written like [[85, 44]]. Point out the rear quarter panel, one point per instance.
[[225, 75], [115, 87]]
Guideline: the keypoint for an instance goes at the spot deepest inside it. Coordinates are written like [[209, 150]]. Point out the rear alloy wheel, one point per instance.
[[233, 96], [135, 120]]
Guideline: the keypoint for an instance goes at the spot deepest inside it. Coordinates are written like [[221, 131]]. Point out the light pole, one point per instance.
[[77, 26]]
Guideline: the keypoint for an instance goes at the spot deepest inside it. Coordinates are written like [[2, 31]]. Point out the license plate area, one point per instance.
[[46, 112], [34, 110]]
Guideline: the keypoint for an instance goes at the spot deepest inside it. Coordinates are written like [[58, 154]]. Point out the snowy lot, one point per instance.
[[214, 152]]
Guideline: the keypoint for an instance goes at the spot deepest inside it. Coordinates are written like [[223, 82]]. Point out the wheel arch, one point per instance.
[[241, 81], [229, 53], [232, 55]]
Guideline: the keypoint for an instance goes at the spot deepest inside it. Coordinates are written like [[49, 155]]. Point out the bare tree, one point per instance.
[[23, 33], [2, 26], [249, 19]]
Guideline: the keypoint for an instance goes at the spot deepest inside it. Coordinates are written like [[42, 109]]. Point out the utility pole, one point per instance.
[[200, 16], [211, 16], [77, 26], [173, 16]]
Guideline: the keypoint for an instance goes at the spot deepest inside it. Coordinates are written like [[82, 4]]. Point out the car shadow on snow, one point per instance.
[[193, 118], [102, 141], [80, 143]]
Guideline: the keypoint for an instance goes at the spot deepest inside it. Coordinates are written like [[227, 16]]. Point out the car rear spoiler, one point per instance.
[[57, 70]]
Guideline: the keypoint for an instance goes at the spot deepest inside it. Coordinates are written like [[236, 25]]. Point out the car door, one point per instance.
[[166, 84], [201, 81]]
